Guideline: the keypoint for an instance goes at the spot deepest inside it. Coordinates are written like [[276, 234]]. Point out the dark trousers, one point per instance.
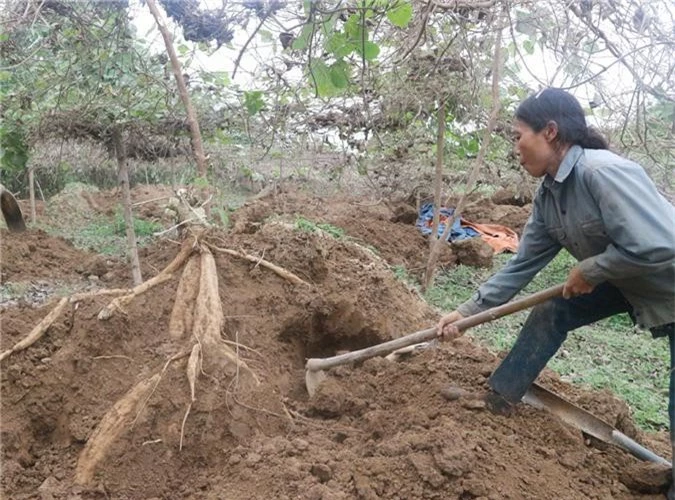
[[546, 329]]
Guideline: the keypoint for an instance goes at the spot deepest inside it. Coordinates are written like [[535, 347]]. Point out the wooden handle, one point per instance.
[[315, 364]]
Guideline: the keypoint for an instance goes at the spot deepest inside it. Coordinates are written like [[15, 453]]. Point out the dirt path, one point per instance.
[[378, 430]]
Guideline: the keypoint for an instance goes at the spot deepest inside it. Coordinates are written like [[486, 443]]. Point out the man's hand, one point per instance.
[[446, 330], [576, 284]]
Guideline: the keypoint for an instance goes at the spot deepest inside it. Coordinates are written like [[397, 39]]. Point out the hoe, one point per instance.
[[536, 396]]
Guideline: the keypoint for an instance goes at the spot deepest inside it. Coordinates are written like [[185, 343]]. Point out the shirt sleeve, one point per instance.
[[536, 249], [639, 222]]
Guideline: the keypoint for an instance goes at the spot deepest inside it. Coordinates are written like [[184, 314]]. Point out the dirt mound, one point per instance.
[[377, 430], [373, 224], [34, 267], [35, 254]]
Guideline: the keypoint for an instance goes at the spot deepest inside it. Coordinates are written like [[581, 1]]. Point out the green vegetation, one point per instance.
[[610, 354], [107, 236], [312, 227]]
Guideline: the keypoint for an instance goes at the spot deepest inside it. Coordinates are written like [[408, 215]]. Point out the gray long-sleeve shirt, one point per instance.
[[607, 213]]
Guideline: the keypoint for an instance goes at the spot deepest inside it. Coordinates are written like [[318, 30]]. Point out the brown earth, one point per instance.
[[376, 430]]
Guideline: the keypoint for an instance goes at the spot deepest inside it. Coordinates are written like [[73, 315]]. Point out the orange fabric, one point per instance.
[[500, 238]]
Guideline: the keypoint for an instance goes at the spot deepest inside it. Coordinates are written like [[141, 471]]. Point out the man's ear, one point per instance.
[[551, 131]]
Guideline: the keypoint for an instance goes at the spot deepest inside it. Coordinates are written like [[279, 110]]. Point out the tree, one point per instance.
[[87, 77]]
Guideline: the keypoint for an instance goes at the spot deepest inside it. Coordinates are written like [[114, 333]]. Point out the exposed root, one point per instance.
[[166, 274], [208, 322], [114, 356], [192, 369], [38, 331], [182, 426], [258, 261], [42, 327], [112, 426], [159, 379], [192, 373], [182, 315], [78, 297]]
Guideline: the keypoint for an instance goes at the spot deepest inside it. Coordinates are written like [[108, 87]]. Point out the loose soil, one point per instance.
[[376, 430]]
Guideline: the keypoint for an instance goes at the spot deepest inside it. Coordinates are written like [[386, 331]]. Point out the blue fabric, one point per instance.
[[425, 222]]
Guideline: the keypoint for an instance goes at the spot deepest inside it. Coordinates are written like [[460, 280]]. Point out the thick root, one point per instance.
[[112, 426], [39, 330], [165, 275], [209, 320], [182, 315]]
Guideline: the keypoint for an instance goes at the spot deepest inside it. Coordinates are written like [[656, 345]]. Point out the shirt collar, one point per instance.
[[566, 165]]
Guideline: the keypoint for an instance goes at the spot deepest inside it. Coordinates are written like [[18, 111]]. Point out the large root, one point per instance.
[[209, 321], [39, 330], [42, 327], [182, 315], [111, 427], [165, 275]]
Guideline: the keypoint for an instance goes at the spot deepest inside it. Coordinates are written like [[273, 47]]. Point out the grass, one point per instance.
[[312, 227], [335, 232], [610, 354], [108, 236]]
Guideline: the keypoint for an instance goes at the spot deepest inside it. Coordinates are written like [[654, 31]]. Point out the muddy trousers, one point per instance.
[[546, 329]]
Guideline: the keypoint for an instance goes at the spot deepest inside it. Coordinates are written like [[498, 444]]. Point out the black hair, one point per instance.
[[562, 108]]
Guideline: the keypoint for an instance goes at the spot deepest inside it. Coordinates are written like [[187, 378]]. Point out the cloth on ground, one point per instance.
[[425, 223], [500, 238]]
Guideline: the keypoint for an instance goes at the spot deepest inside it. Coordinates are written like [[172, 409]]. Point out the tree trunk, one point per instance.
[[31, 190], [196, 135], [438, 243], [438, 178], [125, 192]]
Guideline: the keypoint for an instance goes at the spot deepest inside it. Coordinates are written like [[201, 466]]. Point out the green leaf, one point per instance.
[[221, 77], [339, 74], [302, 41], [338, 44], [370, 50], [528, 45], [183, 49], [401, 14], [253, 102], [321, 78], [353, 28]]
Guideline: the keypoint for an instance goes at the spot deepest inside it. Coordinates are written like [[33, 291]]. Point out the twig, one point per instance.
[[261, 410], [272, 267], [114, 356], [238, 345], [243, 49], [182, 427], [138, 203], [160, 233]]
